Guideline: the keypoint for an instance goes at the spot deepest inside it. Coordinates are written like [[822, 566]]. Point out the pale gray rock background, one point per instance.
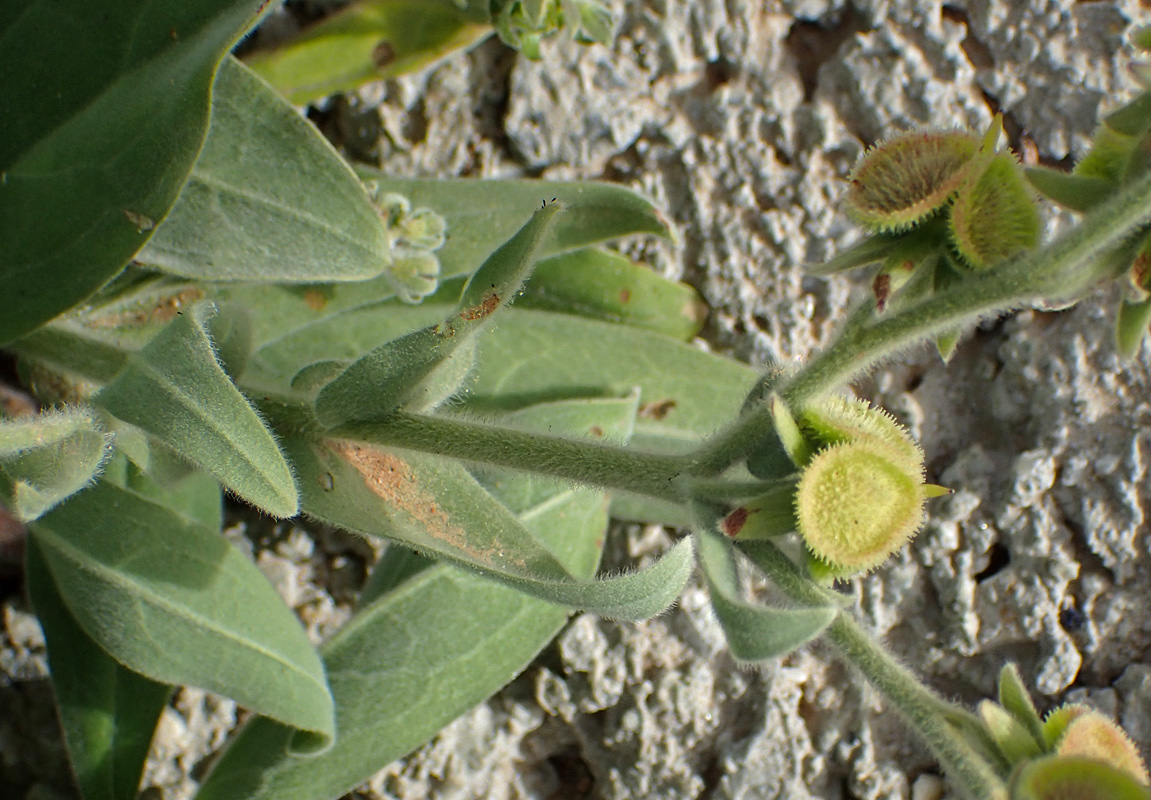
[[741, 119]]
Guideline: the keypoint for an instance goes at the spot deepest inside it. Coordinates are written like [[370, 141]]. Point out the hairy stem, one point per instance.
[[581, 461], [1062, 270], [925, 711]]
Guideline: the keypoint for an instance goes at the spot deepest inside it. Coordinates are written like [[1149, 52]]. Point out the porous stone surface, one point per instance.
[[742, 118]]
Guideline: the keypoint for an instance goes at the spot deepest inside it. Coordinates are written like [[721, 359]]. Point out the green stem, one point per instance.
[[1062, 270], [592, 463], [925, 711]]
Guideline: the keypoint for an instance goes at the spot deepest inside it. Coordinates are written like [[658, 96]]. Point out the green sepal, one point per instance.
[[1132, 118], [1062, 777], [994, 215], [1010, 734], [1014, 697]]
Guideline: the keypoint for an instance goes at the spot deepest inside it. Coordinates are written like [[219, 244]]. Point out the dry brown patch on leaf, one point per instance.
[[390, 478], [484, 309]]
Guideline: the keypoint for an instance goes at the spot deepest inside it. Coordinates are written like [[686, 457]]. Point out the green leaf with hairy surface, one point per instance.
[[173, 600], [482, 215], [99, 134], [1068, 189], [1015, 698], [46, 458], [367, 41], [1131, 326], [434, 505], [385, 378], [604, 285], [176, 390], [429, 642], [245, 214], [754, 633], [107, 713]]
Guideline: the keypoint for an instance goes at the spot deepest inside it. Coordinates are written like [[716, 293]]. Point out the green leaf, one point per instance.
[[754, 633], [429, 642], [365, 42], [385, 378], [1070, 190], [173, 600], [107, 712], [46, 458], [482, 215], [1131, 326], [99, 134], [429, 503], [602, 285], [245, 215], [176, 390], [435, 506], [1015, 698]]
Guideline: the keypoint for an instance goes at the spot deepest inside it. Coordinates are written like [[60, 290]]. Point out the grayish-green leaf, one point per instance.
[[431, 504], [107, 712], [434, 505], [604, 285], [105, 107], [483, 214], [754, 633], [393, 373], [1076, 192], [268, 199], [429, 642], [46, 458], [176, 390], [173, 600]]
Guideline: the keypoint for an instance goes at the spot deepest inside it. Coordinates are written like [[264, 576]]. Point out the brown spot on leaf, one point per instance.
[[733, 523], [881, 288], [1140, 271], [390, 478], [656, 409], [161, 309], [624, 296], [595, 430], [315, 299], [485, 308], [383, 54]]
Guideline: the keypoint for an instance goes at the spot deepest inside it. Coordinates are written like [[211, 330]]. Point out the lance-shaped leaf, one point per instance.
[[434, 505], [367, 41], [603, 285], [1068, 189], [46, 458], [245, 215], [754, 633], [177, 391], [393, 373], [107, 713], [429, 642], [481, 215], [171, 599], [99, 134]]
